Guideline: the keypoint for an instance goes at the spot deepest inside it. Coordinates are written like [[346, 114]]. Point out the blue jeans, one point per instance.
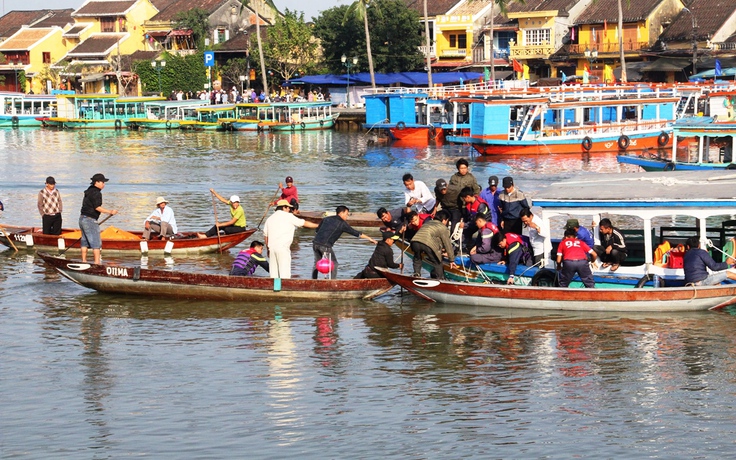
[[90, 233]]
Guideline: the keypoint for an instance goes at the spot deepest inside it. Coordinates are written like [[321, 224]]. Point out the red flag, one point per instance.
[[605, 26], [517, 66]]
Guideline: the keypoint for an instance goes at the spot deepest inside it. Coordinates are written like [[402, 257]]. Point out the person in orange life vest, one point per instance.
[[414, 222], [289, 193], [572, 258], [484, 251], [248, 260], [474, 205], [512, 244]]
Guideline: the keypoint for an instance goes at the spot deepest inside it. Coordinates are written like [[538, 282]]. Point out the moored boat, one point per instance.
[[211, 118], [166, 114], [21, 110], [119, 241], [412, 118], [356, 219], [97, 111], [302, 116], [134, 280]]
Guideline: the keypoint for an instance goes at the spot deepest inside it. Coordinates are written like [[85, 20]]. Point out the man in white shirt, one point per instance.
[[160, 221], [536, 234], [417, 195], [279, 234]]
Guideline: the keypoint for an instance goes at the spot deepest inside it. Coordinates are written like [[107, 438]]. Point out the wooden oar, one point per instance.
[[7, 235], [217, 227], [80, 239], [268, 207]]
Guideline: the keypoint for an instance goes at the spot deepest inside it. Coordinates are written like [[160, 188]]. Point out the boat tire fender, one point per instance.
[[15, 121], [731, 166], [168, 124], [118, 124], [432, 132], [662, 139], [293, 126], [259, 128], [587, 143], [303, 126], [545, 277], [647, 278], [670, 166], [321, 123], [400, 125], [624, 142]]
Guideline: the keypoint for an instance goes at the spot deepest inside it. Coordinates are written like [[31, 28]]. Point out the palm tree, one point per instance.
[[621, 39], [359, 10], [428, 43], [270, 4]]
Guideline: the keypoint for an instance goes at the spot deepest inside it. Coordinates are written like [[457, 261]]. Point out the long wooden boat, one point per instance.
[[688, 298], [21, 110], [97, 111], [116, 241], [122, 279], [356, 219], [411, 118], [254, 116], [302, 116], [211, 118], [166, 114]]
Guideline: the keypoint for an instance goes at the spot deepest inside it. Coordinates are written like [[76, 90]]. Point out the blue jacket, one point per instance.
[[694, 263]]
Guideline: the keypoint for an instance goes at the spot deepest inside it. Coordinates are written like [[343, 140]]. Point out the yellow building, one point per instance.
[[31, 51], [457, 31]]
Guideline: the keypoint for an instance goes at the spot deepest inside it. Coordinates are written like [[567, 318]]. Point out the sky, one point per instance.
[[311, 8]]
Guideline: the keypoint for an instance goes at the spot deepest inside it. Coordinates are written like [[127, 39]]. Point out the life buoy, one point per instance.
[[662, 139], [587, 143], [400, 125], [303, 125], [647, 278], [15, 121], [168, 124], [432, 132], [118, 124], [545, 278], [670, 166], [731, 166], [624, 142]]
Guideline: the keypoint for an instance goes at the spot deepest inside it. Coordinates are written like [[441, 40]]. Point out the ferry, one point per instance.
[[254, 116], [302, 116], [97, 111], [211, 118], [166, 114], [21, 110]]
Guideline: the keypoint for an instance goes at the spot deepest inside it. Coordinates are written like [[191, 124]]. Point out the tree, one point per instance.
[[359, 10], [428, 45], [196, 20], [290, 47], [338, 37], [396, 34], [269, 3], [232, 70]]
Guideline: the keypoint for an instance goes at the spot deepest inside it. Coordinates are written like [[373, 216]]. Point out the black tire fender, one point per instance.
[[400, 125], [118, 124], [731, 166], [587, 143], [545, 277], [670, 166], [624, 142], [646, 279], [663, 139]]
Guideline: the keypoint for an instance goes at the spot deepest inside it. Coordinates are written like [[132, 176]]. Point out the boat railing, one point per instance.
[[589, 128]]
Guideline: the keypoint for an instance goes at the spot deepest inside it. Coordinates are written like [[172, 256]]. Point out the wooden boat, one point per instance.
[[302, 116], [166, 114], [211, 118], [121, 279], [649, 209], [97, 111], [21, 110], [412, 118], [698, 143], [688, 298], [356, 219], [609, 121], [254, 116], [118, 241]]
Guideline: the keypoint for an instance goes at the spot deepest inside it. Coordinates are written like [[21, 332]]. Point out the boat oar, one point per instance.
[[217, 227], [80, 239], [268, 207], [7, 235]]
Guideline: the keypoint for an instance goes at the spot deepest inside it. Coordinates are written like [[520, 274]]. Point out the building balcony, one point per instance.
[[531, 52], [606, 47], [723, 46], [454, 52], [432, 51]]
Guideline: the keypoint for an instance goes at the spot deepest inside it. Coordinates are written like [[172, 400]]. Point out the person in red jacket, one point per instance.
[[572, 258], [513, 246]]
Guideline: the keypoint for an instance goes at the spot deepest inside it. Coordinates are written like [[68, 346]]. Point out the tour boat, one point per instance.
[[302, 116], [411, 117], [211, 118], [97, 111], [166, 114], [21, 110]]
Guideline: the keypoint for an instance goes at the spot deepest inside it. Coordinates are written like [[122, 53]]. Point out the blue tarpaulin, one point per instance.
[[404, 78]]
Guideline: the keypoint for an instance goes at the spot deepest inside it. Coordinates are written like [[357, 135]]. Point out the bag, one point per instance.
[[677, 257]]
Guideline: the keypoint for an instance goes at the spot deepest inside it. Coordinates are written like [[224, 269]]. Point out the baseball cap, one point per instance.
[[99, 177], [441, 184], [289, 179], [389, 235], [508, 182], [160, 200], [572, 223], [493, 180], [283, 203], [235, 199]]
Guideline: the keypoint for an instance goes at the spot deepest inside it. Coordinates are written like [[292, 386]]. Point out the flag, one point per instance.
[[605, 27], [593, 34], [564, 77], [719, 70], [572, 34], [517, 66]]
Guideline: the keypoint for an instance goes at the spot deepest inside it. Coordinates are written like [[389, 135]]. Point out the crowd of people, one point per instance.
[[233, 96], [488, 225]]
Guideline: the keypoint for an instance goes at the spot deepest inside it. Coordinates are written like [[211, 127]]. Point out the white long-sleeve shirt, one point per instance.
[[421, 192], [166, 216]]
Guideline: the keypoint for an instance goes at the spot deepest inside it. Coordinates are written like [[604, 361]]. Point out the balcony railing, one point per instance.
[[723, 46], [606, 47], [454, 52], [532, 51], [432, 51]]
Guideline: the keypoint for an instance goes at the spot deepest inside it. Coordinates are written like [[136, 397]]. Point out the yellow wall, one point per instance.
[[53, 44], [454, 25]]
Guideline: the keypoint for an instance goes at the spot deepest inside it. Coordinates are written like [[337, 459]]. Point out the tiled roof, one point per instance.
[[470, 7], [104, 8], [170, 11], [239, 42], [709, 17], [57, 18], [12, 22], [607, 10], [434, 7], [24, 39], [76, 30], [97, 44], [542, 5]]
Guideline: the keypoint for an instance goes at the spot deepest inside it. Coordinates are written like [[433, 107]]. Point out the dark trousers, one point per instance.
[[324, 252], [581, 267], [52, 224], [228, 230], [616, 257], [422, 252]]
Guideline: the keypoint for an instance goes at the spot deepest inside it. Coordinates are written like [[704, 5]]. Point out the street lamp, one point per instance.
[[591, 56], [348, 64], [242, 80], [15, 71], [695, 41], [158, 65]]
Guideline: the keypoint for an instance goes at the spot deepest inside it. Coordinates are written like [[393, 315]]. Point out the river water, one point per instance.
[[85, 375]]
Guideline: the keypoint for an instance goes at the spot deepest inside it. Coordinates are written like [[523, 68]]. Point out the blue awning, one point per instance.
[[404, 78], [727, 72]]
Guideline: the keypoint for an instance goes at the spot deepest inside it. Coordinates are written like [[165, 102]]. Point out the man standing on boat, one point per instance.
[[328, 231], [429, 244], [50, 207], [279, 233], [612, 250], [91, 210], [696, 263], [512, 202], [417, 195], [572, 258], [490, 196], [536, 235], [460, 180]]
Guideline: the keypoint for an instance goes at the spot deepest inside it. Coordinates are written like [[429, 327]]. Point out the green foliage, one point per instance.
[[290, 47], [231, 72], [186, 73], [395, 37], [196, 20]]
